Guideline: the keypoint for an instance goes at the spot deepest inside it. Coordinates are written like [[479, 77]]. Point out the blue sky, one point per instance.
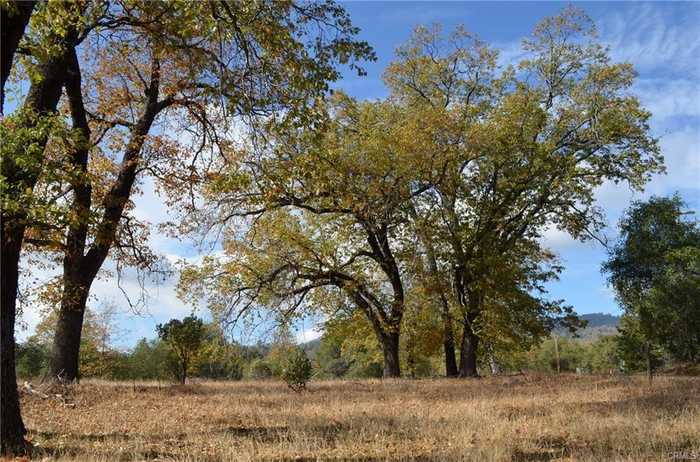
[[660, 39]]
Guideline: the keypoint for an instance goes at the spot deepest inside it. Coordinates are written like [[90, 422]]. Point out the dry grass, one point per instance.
[[499, 419]]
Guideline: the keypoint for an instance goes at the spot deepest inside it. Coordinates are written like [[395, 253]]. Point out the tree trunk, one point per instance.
[[11, 426], [80, 268], [390, 348], [41, 99], [493, 364], [64, 362], [65, 355], [449, 342], [467, 354], [448, 332], [12, 29]]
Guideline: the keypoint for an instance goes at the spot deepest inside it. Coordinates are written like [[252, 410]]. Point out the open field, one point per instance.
[[510, 418]]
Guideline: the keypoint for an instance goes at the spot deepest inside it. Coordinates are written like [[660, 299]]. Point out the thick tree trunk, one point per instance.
[[41, 99], [390, 348], [11, 426], [467, 356], [65, 355], [449, 341], [77, 278], [80, 268], [12, 29]]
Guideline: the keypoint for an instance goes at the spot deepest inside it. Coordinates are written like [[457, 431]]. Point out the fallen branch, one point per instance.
[[60, 397]]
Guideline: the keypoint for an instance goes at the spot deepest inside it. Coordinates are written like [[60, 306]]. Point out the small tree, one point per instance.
[[185, 339], [654, 270], [297, 370]]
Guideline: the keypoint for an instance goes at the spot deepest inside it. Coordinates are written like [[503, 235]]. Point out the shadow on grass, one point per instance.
[[79, 453], [670, 402]]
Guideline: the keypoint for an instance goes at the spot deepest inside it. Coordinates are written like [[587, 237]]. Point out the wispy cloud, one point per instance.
[[654, 36]]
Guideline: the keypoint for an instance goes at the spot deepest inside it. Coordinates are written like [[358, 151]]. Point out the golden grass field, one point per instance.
[[522, 418]]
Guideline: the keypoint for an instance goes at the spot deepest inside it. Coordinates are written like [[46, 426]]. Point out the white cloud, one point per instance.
[[667, 97], [650, 39], [309, 334], [556, 239]]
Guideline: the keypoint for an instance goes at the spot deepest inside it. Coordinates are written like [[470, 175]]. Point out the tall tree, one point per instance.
[[177, 72], [328, 209], [653, 269], [244, 59], [531, 149], [55, 28]]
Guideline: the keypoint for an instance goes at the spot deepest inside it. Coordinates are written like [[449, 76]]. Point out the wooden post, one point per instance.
[[650, 371], [556, 353]]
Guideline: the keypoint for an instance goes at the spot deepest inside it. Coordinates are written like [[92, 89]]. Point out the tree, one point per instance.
[[185, 339], [56, 30], [218, 358], [527, 150], [297, 369], [293, 67], [32, 359], [148, 360], [308, 191], [472, 165], [653, 269], [15, 17], [329, 360], [204, 65]]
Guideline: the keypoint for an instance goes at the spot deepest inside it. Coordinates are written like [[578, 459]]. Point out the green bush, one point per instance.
[[297, 370], [260, 369], [32, 359]]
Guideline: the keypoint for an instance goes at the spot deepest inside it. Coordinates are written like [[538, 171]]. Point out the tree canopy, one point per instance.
[[653, 269], [464, 164]]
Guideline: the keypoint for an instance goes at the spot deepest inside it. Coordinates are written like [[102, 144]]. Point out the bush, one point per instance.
[[32, 359], [297, 370], [260, 369]]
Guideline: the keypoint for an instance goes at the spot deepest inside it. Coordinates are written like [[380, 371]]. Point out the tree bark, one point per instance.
[[650, 368], [390, 348], [65, 355], [11, 426], [41, 100], [467, 356], [493, 364], [449, 341], [12, 29]]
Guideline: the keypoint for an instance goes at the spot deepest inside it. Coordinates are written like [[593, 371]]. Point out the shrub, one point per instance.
[[297, 370], [260, 369]]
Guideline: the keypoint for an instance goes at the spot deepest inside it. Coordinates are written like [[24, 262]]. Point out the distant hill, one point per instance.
[[598, 324], [601, 320]]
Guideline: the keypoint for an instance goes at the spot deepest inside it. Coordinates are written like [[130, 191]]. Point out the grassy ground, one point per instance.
[[495, 419]]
